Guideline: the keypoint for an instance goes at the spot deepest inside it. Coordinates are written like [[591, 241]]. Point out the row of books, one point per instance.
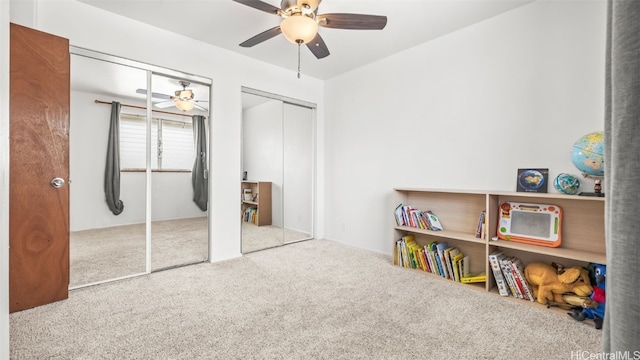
[[482, 225], [412, 217], [250, 215], [509, 274], [437, 258]]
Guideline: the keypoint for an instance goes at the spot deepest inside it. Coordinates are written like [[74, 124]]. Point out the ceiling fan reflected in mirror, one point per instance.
[[300, 23], [183, 99]]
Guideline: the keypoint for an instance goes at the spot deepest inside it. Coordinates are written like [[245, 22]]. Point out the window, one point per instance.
[[172, 146]]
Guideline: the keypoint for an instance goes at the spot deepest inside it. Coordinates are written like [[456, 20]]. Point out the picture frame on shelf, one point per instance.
[[534, 180]]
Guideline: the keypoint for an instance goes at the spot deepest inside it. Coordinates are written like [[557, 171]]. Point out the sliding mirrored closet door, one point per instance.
[[278, 167], [132, 166], [298, 154], [104, 245], [179, 226]]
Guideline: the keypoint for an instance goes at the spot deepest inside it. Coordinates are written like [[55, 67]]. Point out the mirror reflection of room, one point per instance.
[[277, 162], [148, 219], [179, 155]]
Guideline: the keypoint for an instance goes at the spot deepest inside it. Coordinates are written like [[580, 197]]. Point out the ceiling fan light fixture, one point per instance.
[[184, 105], [184, 94], [299, 29]]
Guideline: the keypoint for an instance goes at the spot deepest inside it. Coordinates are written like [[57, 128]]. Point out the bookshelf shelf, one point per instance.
[[581, 255], [257, 210], [447, 234], [459, 211]]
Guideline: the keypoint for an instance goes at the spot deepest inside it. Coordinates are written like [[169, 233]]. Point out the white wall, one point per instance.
[[464, 111]]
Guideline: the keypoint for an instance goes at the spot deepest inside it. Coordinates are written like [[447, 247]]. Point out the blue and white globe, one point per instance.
[[587, 154], [566, 184]]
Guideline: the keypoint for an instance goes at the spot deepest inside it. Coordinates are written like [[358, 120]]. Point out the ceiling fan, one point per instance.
[[183, 99], [300, 23]]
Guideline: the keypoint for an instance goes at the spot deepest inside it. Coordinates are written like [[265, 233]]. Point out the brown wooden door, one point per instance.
[[39, 152]]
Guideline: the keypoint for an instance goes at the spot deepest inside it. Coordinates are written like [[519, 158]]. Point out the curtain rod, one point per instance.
[[143, 108], [155, 118]]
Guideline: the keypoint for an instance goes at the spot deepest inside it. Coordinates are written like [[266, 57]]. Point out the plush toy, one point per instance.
[[595, 309], [549, 283]]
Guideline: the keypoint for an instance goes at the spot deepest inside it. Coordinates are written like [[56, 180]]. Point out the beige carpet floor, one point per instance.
[[314, 299], [108, 253]]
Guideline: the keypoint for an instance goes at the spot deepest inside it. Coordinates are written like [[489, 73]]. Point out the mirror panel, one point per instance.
[[179, 228], [262, 162], [104, 246], [298, 168]]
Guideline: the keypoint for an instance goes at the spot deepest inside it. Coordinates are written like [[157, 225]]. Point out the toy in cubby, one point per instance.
[[595, 309]]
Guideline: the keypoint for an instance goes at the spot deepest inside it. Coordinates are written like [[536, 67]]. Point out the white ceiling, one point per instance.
[[225, 23]]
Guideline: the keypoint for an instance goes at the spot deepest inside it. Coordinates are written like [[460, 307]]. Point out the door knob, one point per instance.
[[57, 183]]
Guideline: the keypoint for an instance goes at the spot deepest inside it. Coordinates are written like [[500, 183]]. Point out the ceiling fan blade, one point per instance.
[[199, 107], [256, 4], [164, 104], [352, 21], [154, 95], [318, 47], [265, 35]]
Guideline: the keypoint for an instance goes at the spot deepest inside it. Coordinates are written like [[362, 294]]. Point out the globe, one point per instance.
[[566, 184], [587, 154]]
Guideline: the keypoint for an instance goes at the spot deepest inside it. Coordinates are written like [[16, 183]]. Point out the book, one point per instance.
[[474, 278], [424, 218], [501, 284], [449, 253], [442, 265], [509, 275], [431, 251], [412, 246], [516, 278], [518, 268], [480, 224], [398, 215], [434, 222], [456, 266], [423, 260], [464, 266]]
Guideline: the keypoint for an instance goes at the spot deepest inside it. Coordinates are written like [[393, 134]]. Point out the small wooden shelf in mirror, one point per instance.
[[256, 202]]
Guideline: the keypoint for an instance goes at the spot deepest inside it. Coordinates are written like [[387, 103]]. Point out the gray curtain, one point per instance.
[[112, 166], [199, 176], [621, 330]]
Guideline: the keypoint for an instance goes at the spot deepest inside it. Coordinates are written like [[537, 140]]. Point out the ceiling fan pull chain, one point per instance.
[[299, 44]]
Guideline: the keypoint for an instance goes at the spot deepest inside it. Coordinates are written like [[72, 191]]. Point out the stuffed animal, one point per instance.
[[549, 284], [598, 297]]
